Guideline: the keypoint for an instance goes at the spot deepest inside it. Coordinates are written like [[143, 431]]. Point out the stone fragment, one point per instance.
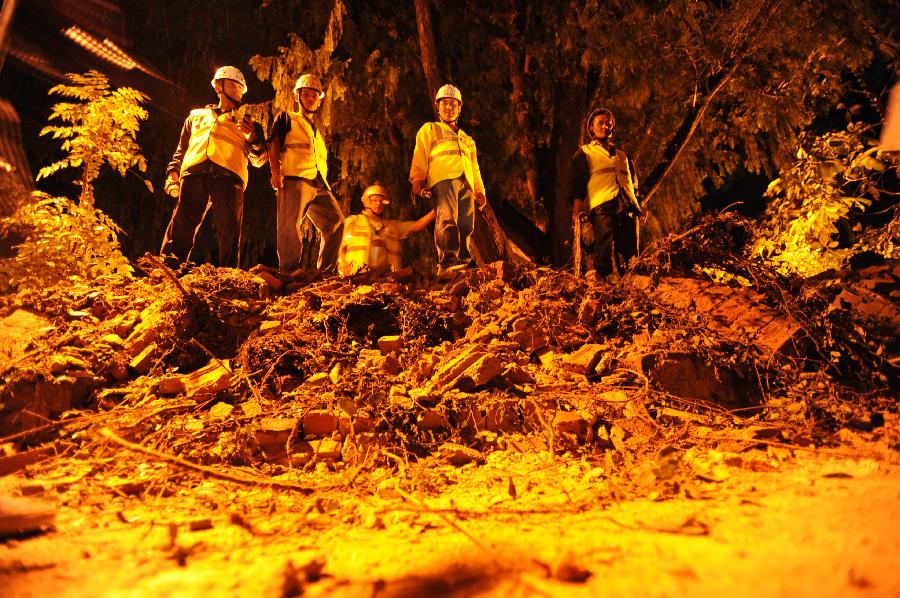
[[170, 385], [271, 280], [221, 411], [587, 311], [479, 373], [449, 373], [390, 344], [273, 433], [514, 374], [583, 360], [431, 419], [327, 449], [268, 325], [317, 380], [143, 361], [361, 424], [391, 365], [113, 340], [211, 378], [575, 423], [319, 422], [459, 455]]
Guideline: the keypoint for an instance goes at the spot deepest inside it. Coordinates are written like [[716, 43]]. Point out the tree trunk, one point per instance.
[[427, 47], [571, 98], [6, 14]]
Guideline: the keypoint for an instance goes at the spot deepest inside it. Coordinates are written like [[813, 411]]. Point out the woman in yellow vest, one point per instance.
[[445, 165], [603, 178], [299, 163], [209, 170], [372, 242]]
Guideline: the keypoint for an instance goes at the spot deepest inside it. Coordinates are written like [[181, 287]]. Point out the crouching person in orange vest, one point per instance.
[[298, 159], [209, 170], [372, 242]]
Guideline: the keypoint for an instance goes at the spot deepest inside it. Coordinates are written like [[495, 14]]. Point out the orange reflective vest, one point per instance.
[[443, 154], [607, 175], [303, 153], [218, 139], [371, 244]]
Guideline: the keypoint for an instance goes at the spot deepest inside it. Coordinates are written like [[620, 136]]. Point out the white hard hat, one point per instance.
[[376, 190], [229, 72], [448, 91], [309, 81]]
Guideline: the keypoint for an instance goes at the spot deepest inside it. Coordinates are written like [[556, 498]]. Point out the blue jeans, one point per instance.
[[454, 206]]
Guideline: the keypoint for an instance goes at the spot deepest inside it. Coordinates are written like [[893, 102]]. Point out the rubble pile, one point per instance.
[[237, 368]]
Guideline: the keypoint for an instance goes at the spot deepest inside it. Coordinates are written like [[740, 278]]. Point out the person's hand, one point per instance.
[[246, 128], [419, 188], [480, 200], [277, 181], [172, 186]]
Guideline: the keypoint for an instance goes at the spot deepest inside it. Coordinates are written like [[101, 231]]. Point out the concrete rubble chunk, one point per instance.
[[268, 325], [449, 373], [212, 378], [575, 423], [459, 455], [480, 373], [583, 360], [271, 280], [273, 434], [431, 419], [390, 344], [360, 424], [317, 380], [143, 361], [327, 449], [688, 376], [514, 374], [319, 422], [221, 411]]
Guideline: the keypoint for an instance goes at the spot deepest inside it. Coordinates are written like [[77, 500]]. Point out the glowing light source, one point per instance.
[[105, 49]]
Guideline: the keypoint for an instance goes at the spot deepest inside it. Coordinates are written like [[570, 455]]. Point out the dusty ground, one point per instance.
[[815, 523]]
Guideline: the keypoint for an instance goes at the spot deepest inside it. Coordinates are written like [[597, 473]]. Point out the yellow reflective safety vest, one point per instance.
[[216, 137], [443, 154], [371, 244], [607, 175], [303, 153]]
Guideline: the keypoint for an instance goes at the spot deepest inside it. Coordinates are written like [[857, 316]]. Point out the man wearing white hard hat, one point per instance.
[[209, 170], [372, 242], [298, 159], [445, 168]]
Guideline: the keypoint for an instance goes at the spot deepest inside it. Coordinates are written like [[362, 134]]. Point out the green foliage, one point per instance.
[[99, 127], [63, 241], [833, 174]]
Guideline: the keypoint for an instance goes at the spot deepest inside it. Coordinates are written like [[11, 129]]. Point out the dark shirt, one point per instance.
[[281, 125], [257, 148]]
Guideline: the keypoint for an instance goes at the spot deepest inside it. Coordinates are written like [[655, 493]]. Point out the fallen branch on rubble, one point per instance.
[[113, 437]]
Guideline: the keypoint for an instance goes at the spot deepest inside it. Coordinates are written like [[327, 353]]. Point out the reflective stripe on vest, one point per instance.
[[303, 153], [450, 155], [218, 139], [358, 245]]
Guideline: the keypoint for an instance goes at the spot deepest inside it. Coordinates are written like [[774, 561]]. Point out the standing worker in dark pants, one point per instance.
[[445, 167], [298, 159], [603, 177], [209, 170]]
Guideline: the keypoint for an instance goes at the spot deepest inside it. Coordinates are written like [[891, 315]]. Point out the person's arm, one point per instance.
[[480, 197], [578, 183], [420, 224], [256, 143], [173, 170], [276, 141], [418, 170]]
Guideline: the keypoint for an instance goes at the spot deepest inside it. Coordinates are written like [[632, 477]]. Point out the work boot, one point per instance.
[[20, 516]]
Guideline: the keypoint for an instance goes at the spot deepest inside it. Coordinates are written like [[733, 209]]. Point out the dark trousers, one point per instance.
[[454, 207], [615, 238], [202, 192]]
